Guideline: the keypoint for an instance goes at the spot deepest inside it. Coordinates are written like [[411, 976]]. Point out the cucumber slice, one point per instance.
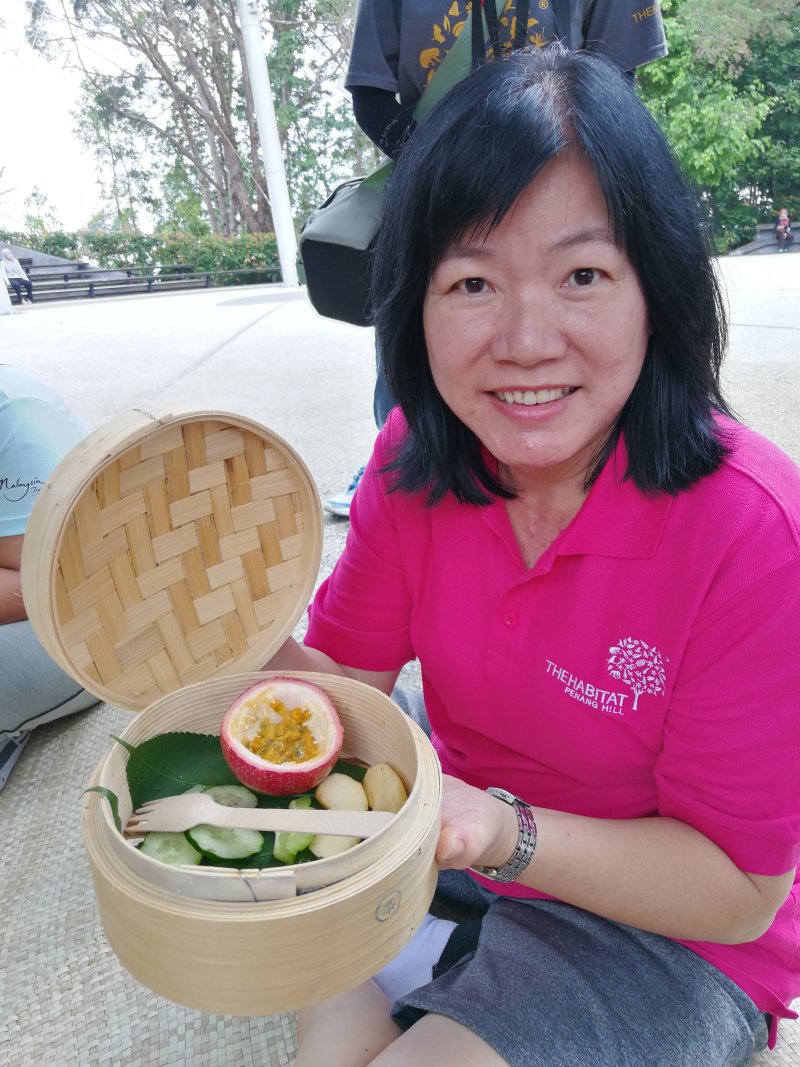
[[224, 844], [170, 848], [232, 796], [287, 844]]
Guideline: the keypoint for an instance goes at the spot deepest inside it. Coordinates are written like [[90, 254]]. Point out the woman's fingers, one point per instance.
[[476, 829]]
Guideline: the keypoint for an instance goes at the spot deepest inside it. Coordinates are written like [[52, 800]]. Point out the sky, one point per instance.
[[37, 143]]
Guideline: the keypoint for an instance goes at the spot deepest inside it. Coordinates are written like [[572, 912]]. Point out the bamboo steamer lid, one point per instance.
[[168, 549], [167, 555]]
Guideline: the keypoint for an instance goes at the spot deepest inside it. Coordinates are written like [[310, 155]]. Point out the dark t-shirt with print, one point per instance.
[[398, 44]]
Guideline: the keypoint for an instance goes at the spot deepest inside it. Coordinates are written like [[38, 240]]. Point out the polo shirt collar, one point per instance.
[[616, 519]]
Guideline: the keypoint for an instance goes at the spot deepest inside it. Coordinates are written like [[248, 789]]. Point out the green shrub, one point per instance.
[[202, 252]]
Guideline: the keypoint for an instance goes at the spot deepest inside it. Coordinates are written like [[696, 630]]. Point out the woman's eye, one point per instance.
[[585, 276], [473, 285]]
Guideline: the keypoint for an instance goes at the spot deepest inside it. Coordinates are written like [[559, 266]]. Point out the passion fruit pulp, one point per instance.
[[281, 736]]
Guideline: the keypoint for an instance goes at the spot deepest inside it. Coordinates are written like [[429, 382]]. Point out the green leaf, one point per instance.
[[264, 858], [128, 747], [171, 763], [306, 856], [352, 770], [112, 800]]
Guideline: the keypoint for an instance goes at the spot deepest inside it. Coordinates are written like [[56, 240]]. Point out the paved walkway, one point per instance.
[[263, 352], [260, 352]]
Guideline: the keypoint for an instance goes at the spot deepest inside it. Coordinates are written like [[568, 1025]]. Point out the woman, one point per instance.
[[599, 571], [14, 272]]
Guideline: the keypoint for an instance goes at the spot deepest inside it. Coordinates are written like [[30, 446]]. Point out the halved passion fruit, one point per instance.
[[281, 736]]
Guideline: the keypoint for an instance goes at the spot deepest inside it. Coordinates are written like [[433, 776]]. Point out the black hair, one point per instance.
[[464, 169]]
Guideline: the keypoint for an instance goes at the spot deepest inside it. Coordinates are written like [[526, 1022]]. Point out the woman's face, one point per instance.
[[536, 332]]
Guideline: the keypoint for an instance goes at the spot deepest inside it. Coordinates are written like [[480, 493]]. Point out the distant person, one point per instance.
[[37, 429], [398, 44], [783, 230], [15, 276]]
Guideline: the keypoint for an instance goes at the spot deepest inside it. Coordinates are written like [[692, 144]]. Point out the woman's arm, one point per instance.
[[11, 607], [383, 119], [657, 874], [292, 656]]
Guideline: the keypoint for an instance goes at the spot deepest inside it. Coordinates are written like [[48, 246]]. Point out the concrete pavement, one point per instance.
[[762, 371], [260, 352], [263, 352]]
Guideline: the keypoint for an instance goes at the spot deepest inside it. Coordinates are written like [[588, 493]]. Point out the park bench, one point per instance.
[[63, 285]]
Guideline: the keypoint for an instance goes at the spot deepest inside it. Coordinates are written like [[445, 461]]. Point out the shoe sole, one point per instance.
[[342, 510]]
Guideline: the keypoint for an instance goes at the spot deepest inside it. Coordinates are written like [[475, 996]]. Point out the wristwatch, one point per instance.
[[526, 841]]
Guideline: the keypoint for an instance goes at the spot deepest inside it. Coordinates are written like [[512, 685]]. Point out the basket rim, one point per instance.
[[96, 454]]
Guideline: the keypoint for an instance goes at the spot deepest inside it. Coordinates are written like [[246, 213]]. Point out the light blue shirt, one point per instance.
[[37, 429]]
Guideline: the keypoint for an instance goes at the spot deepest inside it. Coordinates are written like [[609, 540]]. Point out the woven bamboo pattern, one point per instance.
[[189, 554]]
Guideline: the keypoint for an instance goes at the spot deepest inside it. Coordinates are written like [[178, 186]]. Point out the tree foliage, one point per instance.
[[40, 215], [727, 98], [166, 96], [167, 106]]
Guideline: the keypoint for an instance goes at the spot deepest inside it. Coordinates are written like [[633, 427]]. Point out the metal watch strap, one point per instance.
[[526, 841]]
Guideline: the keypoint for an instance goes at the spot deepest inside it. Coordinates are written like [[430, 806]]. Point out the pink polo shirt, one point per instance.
[[648, 663]]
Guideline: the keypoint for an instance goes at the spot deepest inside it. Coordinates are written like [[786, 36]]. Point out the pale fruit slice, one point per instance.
[[341, 792], [281, 736], [384, 788]]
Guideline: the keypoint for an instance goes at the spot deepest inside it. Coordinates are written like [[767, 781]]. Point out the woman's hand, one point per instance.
[[477, 828]]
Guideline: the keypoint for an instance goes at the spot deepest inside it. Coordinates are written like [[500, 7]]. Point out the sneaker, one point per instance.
[[340, 505], [10, 751]]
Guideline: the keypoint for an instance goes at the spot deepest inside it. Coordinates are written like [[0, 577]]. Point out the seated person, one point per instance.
[[37, 429], [14, 273], [783, 230], [598, 569]]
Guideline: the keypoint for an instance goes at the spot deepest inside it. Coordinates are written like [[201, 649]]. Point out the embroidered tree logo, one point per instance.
[[639, 666]]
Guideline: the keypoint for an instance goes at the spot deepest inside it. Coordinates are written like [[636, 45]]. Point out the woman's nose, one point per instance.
[[533, 330]]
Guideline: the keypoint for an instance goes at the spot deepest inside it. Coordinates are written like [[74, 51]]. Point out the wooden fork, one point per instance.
[[191, 809]]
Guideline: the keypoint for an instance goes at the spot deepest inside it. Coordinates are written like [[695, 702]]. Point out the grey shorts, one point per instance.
[[550, 985], [35, 690]]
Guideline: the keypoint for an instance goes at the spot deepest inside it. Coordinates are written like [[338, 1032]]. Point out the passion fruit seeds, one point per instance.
[[281, 736]]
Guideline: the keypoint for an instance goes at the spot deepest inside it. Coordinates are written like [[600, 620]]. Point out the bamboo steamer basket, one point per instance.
[[167, 558]]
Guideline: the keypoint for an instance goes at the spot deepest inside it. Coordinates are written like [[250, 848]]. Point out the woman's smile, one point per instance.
[[532, 397]]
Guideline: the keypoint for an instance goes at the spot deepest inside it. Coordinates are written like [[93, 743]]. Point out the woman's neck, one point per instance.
[[539, 513]]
